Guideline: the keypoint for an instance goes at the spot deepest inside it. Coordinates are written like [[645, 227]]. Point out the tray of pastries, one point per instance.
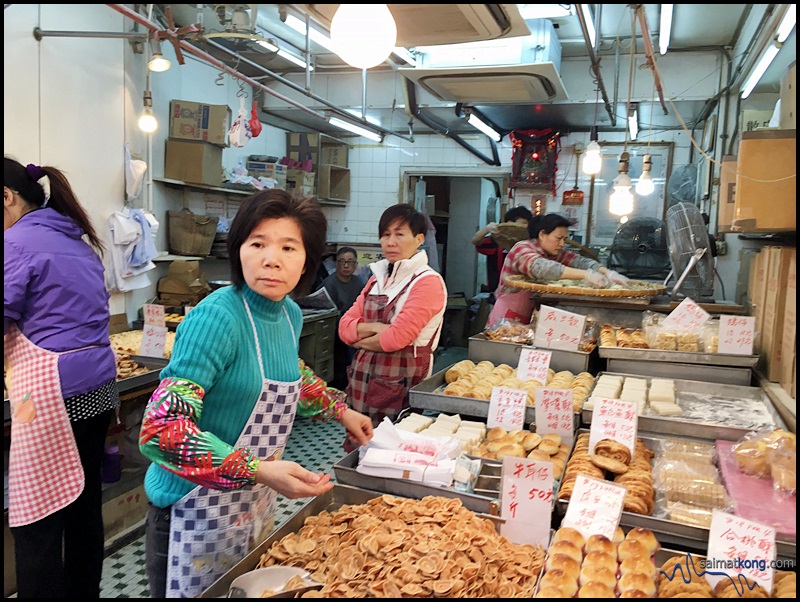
[[635, 288]]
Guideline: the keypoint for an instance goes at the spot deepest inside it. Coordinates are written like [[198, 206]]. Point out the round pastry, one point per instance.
[[631, 548], [638, 581], [645, 537], [634, 593], [495, 433], [571, 535], [619, 536], [537, 454], [613, 449], [784, 471], [599, 574], [752, 457], [598, 559], [638, 564], [593, 589], [515, 450], [602, 544], [568, 549], [558, 578], [609, 464], [549, 446], [570, 566], [530, 441], [550, 592], [554, 437]]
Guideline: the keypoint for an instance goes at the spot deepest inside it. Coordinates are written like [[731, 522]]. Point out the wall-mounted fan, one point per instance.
[[640, 249], [689, 255]]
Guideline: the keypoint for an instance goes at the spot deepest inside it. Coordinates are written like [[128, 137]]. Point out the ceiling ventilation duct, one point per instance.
[[519, 70]]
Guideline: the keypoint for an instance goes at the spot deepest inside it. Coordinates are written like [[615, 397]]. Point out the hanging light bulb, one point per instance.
[[363, 35], [158, 63], [645, 185], [620, 202], [147, 121], [592, 159]]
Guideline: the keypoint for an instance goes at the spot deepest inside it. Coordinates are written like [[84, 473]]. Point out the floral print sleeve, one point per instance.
[[317, 399], [170, 438]]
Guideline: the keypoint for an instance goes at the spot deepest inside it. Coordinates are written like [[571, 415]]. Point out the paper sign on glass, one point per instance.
[[526, 500], [154, 339], [688, 316], [615, 419], [507, 408], [554, 412], [153, 314], [737, 546], [558, 329], [736, 334], [533, 364], [594, 507]]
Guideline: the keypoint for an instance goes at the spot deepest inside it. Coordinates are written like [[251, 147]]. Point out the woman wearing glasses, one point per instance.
[[544, 258]]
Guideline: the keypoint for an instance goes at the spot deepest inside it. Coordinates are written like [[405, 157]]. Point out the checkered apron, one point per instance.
[[212, 530], [41, 435], [379, 381]]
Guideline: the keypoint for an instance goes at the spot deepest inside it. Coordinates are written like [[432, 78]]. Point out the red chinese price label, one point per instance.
[[558, 329], [533, 364], [554, 412], [736, 334], [688, 316], [507, 408], [153, 340], [153, 314], [615, 419], [594, 507], [526, 500]]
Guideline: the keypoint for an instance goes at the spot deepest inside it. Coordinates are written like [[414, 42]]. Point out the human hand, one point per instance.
[[595, 279], [492, 228], [292, 480], [370, 329], [358, 427], [617, 278]]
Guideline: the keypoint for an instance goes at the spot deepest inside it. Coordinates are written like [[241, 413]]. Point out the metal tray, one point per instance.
[[683, 357], [483, 348], [483, 500], [685, 426], [671, 532], [153, 364]]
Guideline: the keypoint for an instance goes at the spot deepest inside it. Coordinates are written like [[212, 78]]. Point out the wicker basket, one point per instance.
[[190, 233]]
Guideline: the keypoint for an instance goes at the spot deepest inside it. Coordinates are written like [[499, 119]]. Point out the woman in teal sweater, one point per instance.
[[218, 423]]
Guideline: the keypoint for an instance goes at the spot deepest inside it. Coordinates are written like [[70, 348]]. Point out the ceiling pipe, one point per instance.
[[598, 77], [38, 34], [648, 51]]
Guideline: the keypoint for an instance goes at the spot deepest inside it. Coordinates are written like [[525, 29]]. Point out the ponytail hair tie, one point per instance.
[[35, 172]]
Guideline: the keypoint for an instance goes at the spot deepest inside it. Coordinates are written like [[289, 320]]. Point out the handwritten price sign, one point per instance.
[[507, 408], [153, 340], [558, 329], [615, 419], [526, 497], [595, 507], [534, 364], [153, 314], [688, 316], [740, 547], [554, 412], [736, 334]]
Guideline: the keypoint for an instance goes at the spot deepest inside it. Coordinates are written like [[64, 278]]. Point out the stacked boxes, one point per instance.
[[197, 134]]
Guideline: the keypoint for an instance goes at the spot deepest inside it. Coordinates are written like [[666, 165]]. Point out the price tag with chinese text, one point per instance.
[[526, 500], [533, 364], [615, 419], [558, 329], [554, 413], [736, 334], [153, 314], [687, 317], [507, 408], [737, 546], [154, 339], [594, 507]]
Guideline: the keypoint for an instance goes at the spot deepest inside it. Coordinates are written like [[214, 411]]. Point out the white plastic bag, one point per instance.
[[240, 132]]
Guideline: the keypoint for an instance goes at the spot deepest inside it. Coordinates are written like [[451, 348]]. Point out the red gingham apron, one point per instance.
[[44, 467], [379, 381]]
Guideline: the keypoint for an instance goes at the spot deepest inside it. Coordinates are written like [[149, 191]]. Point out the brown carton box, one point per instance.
[[774, 306], [194, 162], [789, 342], [727, 193], [788, 116], [303, 146], [300, 178], [757, 293], [199, 121]]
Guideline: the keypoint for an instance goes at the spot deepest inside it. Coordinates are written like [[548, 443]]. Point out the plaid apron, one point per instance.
[[41, 434], [212, 530], [379, 381]]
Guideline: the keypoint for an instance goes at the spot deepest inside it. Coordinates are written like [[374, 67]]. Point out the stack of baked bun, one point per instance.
[[770, 454], [500, 443], [468, 379], [598, 567], [631, 338]]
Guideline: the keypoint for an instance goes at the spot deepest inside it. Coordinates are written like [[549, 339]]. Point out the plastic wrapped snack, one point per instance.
[[783, 470], [511, 331], [758, 450], [659, 337], [687, 341], [710, 334]]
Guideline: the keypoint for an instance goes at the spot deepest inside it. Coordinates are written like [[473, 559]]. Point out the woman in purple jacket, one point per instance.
[[62, 383]]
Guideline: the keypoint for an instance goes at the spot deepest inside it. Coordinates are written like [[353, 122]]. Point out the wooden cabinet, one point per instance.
[[316, 342]]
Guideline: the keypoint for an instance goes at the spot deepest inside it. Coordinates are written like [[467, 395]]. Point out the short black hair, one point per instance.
[[515, 213], [407, 215], [342, 250], [705, 217], [274, 203], [548, 223]]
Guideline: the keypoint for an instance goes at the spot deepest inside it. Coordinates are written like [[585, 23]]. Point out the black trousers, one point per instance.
[[157, 527], [61, 555]]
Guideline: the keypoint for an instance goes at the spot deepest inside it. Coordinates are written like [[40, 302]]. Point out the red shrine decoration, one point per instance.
[[534, 156]]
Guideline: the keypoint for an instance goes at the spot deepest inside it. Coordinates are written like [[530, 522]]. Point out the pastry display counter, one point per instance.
[[481, 347]]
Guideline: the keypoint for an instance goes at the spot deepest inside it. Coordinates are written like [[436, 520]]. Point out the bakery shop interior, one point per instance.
[[563, 366]]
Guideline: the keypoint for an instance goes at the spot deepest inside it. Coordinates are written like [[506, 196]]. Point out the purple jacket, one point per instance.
[[53, 288]]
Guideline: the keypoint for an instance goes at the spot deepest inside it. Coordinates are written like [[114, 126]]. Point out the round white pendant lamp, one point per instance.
[[363, 34]]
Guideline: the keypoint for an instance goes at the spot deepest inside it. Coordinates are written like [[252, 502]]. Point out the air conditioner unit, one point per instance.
[[431, 24]]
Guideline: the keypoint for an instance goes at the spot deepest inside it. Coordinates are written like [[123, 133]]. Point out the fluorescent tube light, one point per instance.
[[665, 29], [316, 36], [769, 54], [787, 24], [356, 129], [587, 16], [475, 122], [282, 53]]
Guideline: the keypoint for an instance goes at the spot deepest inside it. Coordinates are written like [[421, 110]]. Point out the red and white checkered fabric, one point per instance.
[[44, 468]]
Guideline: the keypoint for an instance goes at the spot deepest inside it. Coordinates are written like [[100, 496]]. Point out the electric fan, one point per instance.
[[640, 250], [689, 255]]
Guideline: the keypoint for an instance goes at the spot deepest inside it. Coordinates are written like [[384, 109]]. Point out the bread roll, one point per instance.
[[645, 537], [558, 578], [638, 581], [602, 544], [598, 559], [567, 548], [638, 564], [597, 573], [593, 589], [550, 592], [631, 548], [571, 535], [570, 566]]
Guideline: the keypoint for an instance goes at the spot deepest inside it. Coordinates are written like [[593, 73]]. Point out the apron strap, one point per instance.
[[255, 334]]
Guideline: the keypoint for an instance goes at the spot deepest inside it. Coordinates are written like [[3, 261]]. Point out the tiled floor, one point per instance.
[[314, 445]]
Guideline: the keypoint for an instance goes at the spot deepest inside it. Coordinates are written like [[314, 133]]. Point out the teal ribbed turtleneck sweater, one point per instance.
[[214, 347]]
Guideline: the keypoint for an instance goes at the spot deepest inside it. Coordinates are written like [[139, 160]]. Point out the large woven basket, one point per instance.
[[638, 288], [191, 233]]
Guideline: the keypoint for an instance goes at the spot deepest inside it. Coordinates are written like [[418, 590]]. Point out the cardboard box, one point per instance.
[[727, 193], [124, 511], [184, 284], [199, 122], [303, 146], [789, 341], [118, 323], [195, 162], [299, 178], [766, 186], [276, 171], [334, 154], [774, 306], [753, 120], [788, 114], [334, 183], [757, 293]]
